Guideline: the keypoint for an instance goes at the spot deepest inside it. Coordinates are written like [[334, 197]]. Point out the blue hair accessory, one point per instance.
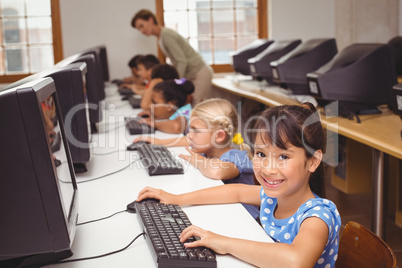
[[180, 81]]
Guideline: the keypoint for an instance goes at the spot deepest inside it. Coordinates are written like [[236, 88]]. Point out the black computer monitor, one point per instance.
[[104, 61], [360, 77], [94, 85], [260, 64], [97, 53], [69, 81], [240, 56], [292, 68], [38, 190], [396, 45]]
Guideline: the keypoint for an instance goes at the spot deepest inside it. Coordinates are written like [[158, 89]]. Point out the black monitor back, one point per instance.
[[70, 89], [292, 68], [39, 213], [240, 56], [260, 64], [396, 45], [361, 77], [94, 85]]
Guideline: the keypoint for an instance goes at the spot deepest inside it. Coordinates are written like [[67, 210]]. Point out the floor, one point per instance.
[[356, 207]]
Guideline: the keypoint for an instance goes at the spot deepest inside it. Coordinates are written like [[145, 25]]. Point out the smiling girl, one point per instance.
[[288, 148]]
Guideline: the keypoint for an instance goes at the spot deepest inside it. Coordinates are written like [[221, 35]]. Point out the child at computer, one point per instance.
[[160, 72], [217, 150], [134, 78], [288, 147], [169, 102], [145, 64]]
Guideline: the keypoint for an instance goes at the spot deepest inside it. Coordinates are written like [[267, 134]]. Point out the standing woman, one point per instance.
[[185, 59]]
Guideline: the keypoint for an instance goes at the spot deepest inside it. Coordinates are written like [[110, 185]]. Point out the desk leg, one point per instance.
[[377, 220]]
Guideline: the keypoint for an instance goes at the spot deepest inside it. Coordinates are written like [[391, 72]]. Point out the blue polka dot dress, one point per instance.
[[285, 230]]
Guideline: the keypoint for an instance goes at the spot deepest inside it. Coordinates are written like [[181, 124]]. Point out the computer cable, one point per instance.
[[102, 255], [103, 176], [111, 152], [104, 218], [114, 128]]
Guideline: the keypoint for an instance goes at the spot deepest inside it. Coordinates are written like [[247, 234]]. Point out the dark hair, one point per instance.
[[175, 90], [149, 61], [164, 71], [301, 127], [134, 61], [143, 14]]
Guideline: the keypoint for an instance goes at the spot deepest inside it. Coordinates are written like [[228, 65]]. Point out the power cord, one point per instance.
[[104, 218], [102, 255], [106, 175], [111, 152], [103, 176]]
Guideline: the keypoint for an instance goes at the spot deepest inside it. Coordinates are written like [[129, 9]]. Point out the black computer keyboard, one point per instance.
[[163, 224], [134, 102], [158, 160], [125, 91], [135, 127]]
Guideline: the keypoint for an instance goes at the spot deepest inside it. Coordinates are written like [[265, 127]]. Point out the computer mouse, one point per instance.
[[57, 162], [144, 115], [134, 146]]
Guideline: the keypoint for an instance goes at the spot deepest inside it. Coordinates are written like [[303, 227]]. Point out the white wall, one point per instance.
[[88, 23], [301, 19]]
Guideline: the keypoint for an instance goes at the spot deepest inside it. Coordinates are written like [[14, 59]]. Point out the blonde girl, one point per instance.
[[215, 147]]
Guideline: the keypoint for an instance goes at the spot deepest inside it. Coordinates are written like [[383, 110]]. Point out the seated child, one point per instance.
[[160, 72], [214, 141], [134, 78], [287, 164], [169, 102], [144, 70]]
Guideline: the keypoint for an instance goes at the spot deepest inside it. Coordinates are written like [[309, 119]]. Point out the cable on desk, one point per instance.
[[111, 152], [104, 218], [103, 176], [102, 255], [110, 129]]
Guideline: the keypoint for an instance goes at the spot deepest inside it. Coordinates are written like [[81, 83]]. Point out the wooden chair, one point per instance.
[[359, 247]]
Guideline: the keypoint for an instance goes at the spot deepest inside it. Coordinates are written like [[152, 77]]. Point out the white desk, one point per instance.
[[111, 194]]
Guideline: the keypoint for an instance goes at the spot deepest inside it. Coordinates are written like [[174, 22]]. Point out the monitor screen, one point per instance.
[[39, 193]]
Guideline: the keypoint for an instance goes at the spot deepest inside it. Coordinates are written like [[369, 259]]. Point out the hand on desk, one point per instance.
[[194, 158]]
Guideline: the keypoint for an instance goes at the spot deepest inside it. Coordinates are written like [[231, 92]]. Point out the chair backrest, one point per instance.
[[359, 247]]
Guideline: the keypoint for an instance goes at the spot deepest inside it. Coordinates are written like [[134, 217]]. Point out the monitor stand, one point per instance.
[[80, 168]]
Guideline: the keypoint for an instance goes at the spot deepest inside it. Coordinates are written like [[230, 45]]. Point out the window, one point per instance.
[[215, 27], [30, 39]]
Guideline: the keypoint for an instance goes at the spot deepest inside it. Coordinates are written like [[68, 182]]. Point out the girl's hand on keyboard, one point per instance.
[[162, 196], [208, 239]]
